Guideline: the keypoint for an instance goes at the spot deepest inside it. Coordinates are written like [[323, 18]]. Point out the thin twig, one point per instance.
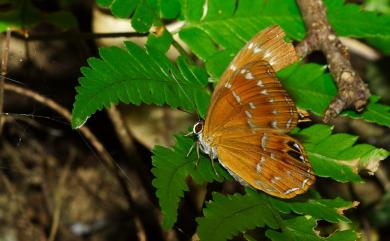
[[58, 199], [352, 91], [75, 35], [123, 179], [4, 67], [121, 129]]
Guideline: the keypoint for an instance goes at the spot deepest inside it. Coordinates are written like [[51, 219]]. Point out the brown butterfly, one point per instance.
[[249, 116]]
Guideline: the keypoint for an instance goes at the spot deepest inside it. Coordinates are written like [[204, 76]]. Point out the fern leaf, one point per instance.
[[325, 209], [351, 20], [336, 156], [134, 75], [313, 90], [309, 86], [302, 229], [161, 41], [374, 112], [143, 12], [227, 216], [171, 168], [224, 20]]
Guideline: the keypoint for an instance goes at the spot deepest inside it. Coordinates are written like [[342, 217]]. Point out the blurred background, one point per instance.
[[55, 185]]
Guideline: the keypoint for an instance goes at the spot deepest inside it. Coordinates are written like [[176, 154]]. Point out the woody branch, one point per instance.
[[352, 91]]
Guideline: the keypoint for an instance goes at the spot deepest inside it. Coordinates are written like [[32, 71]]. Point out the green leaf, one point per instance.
[[62, 19], [227, 216], [302, 229], [203, 46], [313, 90], [170, 8], [230, 26], [309, 87], [134, 75], [124, 8], [336, 156], [325, 209], [143, 12], [143, 17], [350, 20], [21, 15], [161, 41], [374, 112], [171, 167]]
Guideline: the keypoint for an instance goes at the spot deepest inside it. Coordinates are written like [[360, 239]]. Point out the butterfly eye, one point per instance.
[[198, 127]]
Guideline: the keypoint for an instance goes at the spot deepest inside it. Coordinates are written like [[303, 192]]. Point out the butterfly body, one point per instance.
[[249, 117]]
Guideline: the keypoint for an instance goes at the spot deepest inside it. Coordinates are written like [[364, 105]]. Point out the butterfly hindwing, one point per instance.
[[272, 162]]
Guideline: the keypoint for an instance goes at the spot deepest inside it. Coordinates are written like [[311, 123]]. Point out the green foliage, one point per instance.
[[302, 229], [136, 75], [333, 156], [224, 23], [161, 41], [336, 156], [350, 20], [22, 14], [172, 167], [145, 75], [313, 90], [227, 216], [143, 12]]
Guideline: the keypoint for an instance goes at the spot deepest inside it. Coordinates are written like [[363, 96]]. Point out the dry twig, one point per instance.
[[4, 66], [352, 91], [132, 194]]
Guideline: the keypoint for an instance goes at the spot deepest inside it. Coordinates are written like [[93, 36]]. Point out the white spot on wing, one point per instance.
[[275, 112], [251, 125], [252, 105], [274, 124], [275, 179], [271, 100], [291, 190], [291, 112], [288, 123], [243, 71], [237, 97], [248, 114], [228, 85], [273, 156], [249, 76], [264, 92], [250, 46], [267, 54], [233, 67], [260, 83], [256, 50], [259, 165], [302, 158], [264, 140], [304, 182], [297, 146]]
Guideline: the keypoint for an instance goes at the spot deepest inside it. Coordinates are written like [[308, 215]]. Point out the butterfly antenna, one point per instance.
[[12, 80]]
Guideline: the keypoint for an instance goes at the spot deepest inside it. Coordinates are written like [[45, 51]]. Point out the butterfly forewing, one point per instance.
[[253, 98]]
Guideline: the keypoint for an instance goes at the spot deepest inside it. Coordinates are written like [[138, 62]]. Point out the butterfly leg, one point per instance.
[[191, 148], [212, 164], [189, 133]]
